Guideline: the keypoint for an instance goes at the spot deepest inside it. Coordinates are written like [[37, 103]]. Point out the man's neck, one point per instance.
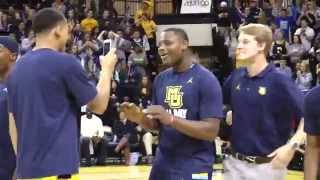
[[258, 65], [186, 63], [42, 43], [2, 77]]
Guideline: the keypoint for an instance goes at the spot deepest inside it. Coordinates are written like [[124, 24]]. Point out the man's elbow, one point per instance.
[[98, 109], [102, 108], [212, 137], [213, 131]]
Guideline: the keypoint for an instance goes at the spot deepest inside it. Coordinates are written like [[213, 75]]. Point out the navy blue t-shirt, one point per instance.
[[7, 156], [312, 112], [193, 95], [46, 88], [263, 109]]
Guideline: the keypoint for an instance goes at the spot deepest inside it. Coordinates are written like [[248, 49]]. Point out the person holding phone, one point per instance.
[[46, 89], [114, 40]]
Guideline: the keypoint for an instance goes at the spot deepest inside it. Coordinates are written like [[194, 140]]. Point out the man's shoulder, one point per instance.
[[164, 74], [46, 59], [313, 95], [64, 59], [238, 72], [312, 110], [44, 53], [277, 76], [203, 69], [204, 73]]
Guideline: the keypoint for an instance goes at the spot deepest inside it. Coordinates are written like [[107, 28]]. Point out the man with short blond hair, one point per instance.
[[263, 103]]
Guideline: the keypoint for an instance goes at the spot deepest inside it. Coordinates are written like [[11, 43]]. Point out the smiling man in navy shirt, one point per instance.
[[8, 53], [187, 106], [45, 89], [312, 128], [263, 102]]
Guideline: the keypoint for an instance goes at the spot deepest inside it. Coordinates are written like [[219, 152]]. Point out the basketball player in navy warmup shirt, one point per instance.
[[187, 106], [312, 128], [45, 89], [264, 102], [8, 53]]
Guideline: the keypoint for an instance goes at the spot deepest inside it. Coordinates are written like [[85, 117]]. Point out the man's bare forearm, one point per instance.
[[204, 130], [312, 158], [100, 102], [13, 132], [300, 136]]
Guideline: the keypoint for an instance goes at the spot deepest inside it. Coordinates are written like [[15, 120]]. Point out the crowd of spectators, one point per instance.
[[295, 25]]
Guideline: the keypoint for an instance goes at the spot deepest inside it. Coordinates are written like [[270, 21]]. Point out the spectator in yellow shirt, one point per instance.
[[89, 23], [147, 8], [149, 26]]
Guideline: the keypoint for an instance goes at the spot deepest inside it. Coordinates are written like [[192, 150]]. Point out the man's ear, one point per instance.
[[13, 57], [56, 32], [185, 45], [261, 46]]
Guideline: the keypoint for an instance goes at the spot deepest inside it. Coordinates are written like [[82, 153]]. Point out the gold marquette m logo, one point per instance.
[[174, 96]]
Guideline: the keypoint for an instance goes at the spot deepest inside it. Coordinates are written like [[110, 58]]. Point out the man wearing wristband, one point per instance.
[[312, 128], [187, 106], [45, 89], [263, 102]]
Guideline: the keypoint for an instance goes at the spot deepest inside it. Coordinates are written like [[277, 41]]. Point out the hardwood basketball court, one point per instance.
[[142, 172]]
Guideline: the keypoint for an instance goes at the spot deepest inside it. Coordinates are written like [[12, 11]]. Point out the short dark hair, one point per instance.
[[178, 31], [46, 19]]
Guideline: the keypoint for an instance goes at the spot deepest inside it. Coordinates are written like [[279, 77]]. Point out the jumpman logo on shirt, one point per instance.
[[190, 80], [4, 90]]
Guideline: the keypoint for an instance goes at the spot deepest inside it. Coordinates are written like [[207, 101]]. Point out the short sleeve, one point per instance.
[[10, 94], [78, 84], [312, 113], [227, 85], [210, 97], [293, 96], [154, 91]]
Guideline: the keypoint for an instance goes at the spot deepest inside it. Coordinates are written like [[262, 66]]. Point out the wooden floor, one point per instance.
[[141, 173]]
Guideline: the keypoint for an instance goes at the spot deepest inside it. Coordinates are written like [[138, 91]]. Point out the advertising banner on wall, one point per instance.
[[195, 6]]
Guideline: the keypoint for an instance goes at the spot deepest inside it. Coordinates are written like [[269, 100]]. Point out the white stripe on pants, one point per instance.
[[235, 169]]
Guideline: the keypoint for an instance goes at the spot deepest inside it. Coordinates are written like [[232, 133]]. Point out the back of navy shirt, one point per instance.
[[312, 112], [46, 88], [263, 108], [7, 156], [192, 95]]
